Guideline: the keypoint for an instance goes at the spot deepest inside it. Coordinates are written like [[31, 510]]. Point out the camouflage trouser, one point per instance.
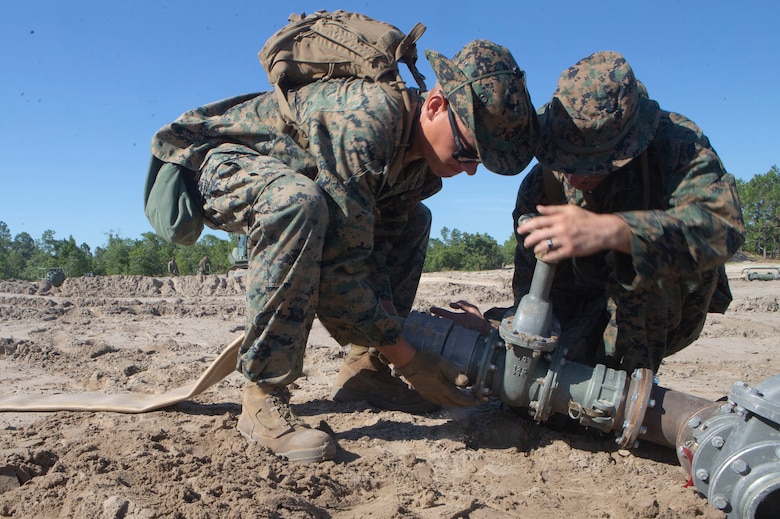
[[285, 217], [635, 329], [646, 327]]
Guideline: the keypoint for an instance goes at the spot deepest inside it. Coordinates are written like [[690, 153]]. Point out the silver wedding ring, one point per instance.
[[550, 244]]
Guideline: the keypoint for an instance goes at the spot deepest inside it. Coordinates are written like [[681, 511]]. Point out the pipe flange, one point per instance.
[[762, 400], [549, 385], [637, 399], [482, 384], [531, 342]]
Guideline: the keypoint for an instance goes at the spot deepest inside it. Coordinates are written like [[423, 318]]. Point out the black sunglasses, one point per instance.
[[462, 154]]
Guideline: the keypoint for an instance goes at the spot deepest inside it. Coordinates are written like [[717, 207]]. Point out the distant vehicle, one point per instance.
[[239, 258], [54, 276], [761, 273]]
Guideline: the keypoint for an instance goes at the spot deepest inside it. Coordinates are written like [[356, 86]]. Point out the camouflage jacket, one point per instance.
[[692, 223], [354, 130]]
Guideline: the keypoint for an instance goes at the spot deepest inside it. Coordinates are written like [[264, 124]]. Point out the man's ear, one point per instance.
[[434, 103]]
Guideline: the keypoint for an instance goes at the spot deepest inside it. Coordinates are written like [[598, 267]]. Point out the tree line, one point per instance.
[[23, 257], [760, 200]]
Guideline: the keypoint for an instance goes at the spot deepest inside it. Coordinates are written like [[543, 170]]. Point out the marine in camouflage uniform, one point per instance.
[[608, 149], [333, 229]]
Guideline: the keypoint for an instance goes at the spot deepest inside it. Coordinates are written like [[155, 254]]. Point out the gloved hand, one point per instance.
[[436, 378]]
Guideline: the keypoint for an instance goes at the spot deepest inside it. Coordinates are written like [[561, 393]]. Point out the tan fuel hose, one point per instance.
[[223, 365]]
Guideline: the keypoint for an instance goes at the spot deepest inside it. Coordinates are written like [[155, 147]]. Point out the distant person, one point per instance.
[[173, 268], [203, 265], [337, 228], [638, 212]]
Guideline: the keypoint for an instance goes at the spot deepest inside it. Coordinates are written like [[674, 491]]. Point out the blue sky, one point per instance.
[[85, 85]]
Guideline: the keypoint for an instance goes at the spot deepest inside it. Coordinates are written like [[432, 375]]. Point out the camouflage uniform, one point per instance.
[[684, 216], [329, 224], [332, 228]]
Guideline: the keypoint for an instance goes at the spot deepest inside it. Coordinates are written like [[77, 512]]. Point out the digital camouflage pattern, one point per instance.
[[335, 226], [630, 311], [328, 226], [598, 119], [487, 91]]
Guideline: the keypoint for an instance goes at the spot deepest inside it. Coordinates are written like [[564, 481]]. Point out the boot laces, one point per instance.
[[279, 399]]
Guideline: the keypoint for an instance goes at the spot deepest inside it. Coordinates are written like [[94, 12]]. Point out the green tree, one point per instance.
[[114, 259], [149, 256], [462, 251], [76, 260], [508, 251], [760, 199], [188, 257], [5, 251], [219, 251], [25, 258], [481, 252], [30, 258], [23, 249]]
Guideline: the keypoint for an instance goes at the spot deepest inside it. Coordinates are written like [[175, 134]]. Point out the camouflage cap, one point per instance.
[[598, 119], [486, 89], [641, 88]]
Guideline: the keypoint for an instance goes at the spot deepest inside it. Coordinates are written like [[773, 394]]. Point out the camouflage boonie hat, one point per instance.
[[486, 89], [641, 88], [598, 120]]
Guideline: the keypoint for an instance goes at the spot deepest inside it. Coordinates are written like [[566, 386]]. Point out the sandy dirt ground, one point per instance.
[[135, 334]]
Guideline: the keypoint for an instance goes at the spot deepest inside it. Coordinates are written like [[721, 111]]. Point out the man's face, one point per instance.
[[464, 150], [585, 183], [447, 139]]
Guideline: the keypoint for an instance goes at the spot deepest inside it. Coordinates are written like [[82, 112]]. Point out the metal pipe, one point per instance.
[[734, 451], [534, 312], [730, 450], [669, 413]]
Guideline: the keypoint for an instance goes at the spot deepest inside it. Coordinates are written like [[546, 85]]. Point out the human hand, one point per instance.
[[470, 317], [567, 231], [436, 379]]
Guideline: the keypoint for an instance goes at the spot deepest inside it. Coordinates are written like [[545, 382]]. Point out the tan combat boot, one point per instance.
[[363, 377], [266, 418]]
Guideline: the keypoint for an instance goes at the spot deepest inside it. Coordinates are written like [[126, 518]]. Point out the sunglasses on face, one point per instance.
[[462, 154]]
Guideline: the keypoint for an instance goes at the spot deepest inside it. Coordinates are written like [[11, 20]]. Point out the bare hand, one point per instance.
[[573, 232], [470, 317]]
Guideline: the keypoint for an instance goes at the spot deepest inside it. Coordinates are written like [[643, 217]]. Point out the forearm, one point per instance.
[[617, 233], [691, 237], [698, 225]]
